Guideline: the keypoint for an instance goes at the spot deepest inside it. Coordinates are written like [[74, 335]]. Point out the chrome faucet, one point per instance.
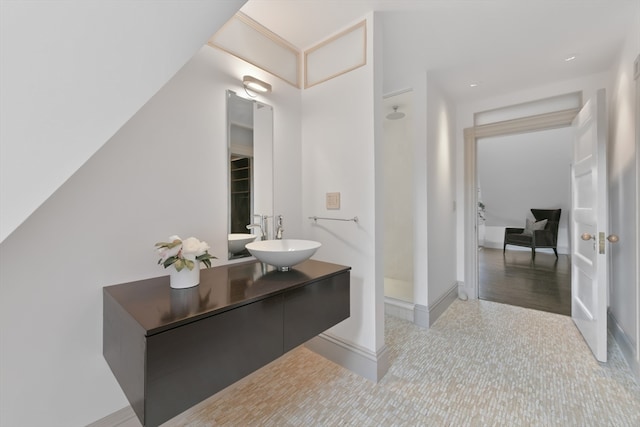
[[260, 225], [279, 230]]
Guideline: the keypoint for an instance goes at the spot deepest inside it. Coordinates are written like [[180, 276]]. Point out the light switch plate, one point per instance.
[[333, 200]]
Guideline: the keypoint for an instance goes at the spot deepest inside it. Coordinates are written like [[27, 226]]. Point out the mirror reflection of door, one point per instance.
[[250, 144]]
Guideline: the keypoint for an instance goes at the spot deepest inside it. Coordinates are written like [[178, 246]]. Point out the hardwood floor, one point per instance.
[[515, 279]]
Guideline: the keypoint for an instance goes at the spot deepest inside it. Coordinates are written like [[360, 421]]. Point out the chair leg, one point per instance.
[[533, 253], [555, 252], [504, 248]]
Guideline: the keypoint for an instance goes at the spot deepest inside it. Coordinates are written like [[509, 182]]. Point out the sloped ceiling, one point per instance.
[[73, 72]]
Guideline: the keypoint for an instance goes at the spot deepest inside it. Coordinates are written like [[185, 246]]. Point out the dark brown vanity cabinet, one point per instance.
[[314, 308], [188, 364], [170, 349]]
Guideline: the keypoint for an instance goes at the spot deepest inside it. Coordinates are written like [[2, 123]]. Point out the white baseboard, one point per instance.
[[437, 308], [397, 308], [626, 347], [363, 362], [564, 250], [425, 316], [421, 315], [491, 245]]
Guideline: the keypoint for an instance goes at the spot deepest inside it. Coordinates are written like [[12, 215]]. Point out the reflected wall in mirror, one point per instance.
[[250, 201]]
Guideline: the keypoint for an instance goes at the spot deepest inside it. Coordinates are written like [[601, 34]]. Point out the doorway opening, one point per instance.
[[534, 123], [518, 173]]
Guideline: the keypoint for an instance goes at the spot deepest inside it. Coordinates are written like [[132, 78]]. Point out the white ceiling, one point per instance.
[[506, 45]]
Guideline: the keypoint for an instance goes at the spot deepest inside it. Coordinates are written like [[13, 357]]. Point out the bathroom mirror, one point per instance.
[[250, 144]]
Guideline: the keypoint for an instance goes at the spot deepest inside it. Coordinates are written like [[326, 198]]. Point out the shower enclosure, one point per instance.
[[399, 206]]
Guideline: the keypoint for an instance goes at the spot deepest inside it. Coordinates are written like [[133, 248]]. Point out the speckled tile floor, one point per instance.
[[481, 364]]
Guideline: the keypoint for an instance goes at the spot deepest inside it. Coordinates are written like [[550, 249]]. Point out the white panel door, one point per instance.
[[589, 222]]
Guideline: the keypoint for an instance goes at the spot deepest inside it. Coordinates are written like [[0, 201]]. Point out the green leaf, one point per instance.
[[169, 261], [179, 264], [206, 258], [168, 245], [190, 264]]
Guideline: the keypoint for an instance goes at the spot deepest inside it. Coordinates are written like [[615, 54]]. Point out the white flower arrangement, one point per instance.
[[175, 253]]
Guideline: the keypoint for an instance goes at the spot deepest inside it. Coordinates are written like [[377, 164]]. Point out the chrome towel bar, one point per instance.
[[316, 218]]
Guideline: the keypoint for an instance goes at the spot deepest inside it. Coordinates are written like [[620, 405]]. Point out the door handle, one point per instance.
[[612, 238], [587, 237]]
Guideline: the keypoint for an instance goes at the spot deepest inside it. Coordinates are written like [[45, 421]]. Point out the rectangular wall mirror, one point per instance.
[[250, 199]]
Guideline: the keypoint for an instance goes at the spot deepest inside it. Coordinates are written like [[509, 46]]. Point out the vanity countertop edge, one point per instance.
[[156, 307]]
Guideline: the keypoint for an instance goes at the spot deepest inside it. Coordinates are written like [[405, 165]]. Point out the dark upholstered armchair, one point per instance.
[[544, 238]]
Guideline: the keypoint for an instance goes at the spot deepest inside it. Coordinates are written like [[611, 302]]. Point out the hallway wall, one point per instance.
[[441, 197], [623, 192]]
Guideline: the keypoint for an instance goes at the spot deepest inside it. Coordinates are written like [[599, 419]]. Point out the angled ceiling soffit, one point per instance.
[[246, 39], [337, 55]]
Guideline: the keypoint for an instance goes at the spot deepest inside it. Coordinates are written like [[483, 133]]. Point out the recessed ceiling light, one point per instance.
[[474, 84], [569, 58]]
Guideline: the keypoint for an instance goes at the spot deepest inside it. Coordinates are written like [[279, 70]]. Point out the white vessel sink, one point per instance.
[[237, 241], [284, 253]]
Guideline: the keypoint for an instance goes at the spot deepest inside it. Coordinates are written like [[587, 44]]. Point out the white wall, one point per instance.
[[434, 201], [163, 172], [441, 176], [524, 171], [340, 134], [465, 111], [421, 198], [623, 182]]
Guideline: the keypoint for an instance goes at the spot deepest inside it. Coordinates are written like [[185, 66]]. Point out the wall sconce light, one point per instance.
[[255, 85]]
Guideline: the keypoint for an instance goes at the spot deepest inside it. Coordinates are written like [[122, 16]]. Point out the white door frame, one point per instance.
[[535, 123], [636, 77]]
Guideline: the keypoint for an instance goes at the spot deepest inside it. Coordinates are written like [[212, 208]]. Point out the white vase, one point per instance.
[[185, 278]]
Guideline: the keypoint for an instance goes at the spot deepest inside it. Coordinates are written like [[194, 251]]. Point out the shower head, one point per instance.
[[395, 115]]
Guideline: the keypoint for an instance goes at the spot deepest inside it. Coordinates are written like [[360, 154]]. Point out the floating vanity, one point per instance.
[[172, 348]]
